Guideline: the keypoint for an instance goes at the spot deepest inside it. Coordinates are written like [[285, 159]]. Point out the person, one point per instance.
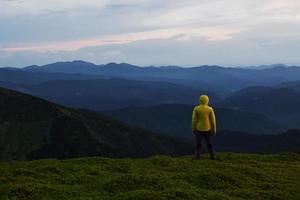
[[204, 126]]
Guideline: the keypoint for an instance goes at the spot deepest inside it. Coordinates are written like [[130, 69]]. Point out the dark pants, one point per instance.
[[207, 136]]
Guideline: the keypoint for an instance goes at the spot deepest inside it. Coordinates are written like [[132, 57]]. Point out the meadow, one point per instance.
[[231, 176]]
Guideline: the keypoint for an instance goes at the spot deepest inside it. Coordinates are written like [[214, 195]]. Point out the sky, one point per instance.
[[150, 32]]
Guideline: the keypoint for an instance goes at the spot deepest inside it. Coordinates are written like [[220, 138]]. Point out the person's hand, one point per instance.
[[213, 132]]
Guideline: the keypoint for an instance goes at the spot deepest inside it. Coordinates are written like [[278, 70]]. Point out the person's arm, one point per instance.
[[194, 120], [213, 123]]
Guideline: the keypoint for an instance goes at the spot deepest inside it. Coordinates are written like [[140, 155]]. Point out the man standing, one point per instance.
[[204, 126]]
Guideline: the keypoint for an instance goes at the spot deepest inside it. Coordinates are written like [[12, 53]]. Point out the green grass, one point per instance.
[[232, 176]]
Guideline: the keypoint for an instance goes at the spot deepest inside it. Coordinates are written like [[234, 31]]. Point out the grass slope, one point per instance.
[[32, 128], [233, 176]]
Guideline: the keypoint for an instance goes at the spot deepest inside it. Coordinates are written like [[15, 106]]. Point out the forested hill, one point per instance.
[[32, 128]]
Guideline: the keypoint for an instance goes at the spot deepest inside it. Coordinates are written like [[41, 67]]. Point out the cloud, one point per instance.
[[66, 27], [36, 7], [211, 33], [192, 52]]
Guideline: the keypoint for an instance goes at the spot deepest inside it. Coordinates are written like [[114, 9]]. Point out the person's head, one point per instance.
[[204, 100]]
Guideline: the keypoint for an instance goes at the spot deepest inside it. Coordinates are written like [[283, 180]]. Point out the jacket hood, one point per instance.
[[204, 100]]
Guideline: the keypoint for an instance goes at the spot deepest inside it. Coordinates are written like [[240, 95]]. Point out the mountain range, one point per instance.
[[216, 79], [261, 109], [32, 128], [258, 109], [295, 85], [24, 77], [254, 100], [111, 93], [280, 104], [175, 120]]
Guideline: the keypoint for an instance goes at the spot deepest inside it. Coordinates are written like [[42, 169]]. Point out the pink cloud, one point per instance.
[[211, 33]]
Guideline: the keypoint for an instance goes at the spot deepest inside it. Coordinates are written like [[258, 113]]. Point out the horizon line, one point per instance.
[[162, 65]]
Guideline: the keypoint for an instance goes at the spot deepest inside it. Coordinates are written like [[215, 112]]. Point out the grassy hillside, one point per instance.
[[32, 128], [232, 176]]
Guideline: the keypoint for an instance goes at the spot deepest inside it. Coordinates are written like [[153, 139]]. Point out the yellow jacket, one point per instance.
[[203, 118]]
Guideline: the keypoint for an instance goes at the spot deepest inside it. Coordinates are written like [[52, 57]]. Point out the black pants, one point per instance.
[[207, 136]]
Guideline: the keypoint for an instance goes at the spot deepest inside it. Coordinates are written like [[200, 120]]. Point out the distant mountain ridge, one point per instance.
[[295, 85], [279, 103], [27, 77], [271, 91], [175, 120], [217, 79], [80, 64], [228, 78], [112, 93]]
